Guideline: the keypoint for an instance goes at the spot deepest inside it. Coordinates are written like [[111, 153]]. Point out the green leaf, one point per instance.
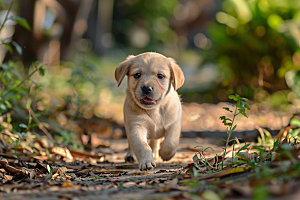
[[244, 99], [242, 105], [8, 46], [4, 66], [3, 108], [229, 104], [233, 139], [21, 21], [275, 145], [244, 147], [222, 118], [226, 108], [243, 113], [42, 71], [23, 125], [238, 104], [295, 122], [7, 104], [235, 97], [286, 146], [233, 128], [18, 48], [247, 106]]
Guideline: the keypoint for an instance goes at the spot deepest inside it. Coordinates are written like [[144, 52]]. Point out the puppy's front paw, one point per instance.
[[147, 164]]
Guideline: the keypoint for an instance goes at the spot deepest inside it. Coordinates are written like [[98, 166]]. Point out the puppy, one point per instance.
[[152, 108]]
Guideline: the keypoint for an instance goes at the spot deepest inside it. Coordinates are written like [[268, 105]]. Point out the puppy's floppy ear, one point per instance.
[[177, 74], [122, 69]]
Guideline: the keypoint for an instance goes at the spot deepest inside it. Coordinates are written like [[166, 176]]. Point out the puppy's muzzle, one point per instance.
[[147, 89], [147, 93]]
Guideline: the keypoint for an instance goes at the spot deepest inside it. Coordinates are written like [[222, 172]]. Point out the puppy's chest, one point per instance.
[[158, 123]]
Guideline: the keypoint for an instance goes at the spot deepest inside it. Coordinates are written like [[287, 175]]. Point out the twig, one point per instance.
[[261, 133], [41, 126], [6, 16]]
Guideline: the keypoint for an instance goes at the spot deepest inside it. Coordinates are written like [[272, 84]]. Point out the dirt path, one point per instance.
[[125, 182], [113, 179]]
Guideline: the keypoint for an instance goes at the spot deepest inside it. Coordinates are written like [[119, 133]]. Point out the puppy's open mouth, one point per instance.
[[148, 101]]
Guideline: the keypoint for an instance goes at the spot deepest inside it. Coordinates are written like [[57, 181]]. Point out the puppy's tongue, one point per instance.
[[146, 99]]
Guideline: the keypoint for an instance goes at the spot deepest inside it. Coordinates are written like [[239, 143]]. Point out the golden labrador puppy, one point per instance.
[[152, 108]]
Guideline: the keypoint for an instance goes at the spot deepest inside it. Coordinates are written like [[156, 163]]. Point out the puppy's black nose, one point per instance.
[[147, 90]]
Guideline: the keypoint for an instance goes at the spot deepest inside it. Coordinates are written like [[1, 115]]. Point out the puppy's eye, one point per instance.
[[160, 76], [137, 75]]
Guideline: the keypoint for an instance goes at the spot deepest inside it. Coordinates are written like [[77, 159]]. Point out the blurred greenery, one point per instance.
[[143, 25], [256, 44], [248, 47]]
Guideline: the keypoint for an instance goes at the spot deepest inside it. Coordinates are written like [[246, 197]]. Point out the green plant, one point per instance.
[[7, 41], [11, 80], [262, 30], [15, 90], [240, 107], [67, 138]]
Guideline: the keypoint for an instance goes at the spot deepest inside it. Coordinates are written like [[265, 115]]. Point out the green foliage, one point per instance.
[[15, 90], [67, 138], [240, 107], [71, 88], [256, 41], [11, 83], [21, 21], [260, 192], [145, 19], [7, 41]]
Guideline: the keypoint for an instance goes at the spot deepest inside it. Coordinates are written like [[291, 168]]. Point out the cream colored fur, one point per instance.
[[155, 116]]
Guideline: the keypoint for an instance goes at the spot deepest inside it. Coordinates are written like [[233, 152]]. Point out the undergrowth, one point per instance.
[[270, 160]]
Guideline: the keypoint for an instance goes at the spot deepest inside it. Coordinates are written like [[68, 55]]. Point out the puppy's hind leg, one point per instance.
[[169, 145], [154, 144], [129, 156]]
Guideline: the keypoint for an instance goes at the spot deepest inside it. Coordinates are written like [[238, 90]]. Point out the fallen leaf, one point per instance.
[[186, 176], [161, 171], [172, 182], [65, 152], [84, 172], [129, 184], [164, 189], [124, 166], [284, 132], [41, 168], [60, 170], [225, 172], [84, 155], [67, 184], [6, 166], [8, 177], [33, 174]]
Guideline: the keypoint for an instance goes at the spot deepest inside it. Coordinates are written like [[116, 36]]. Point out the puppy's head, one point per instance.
[[150, 76]]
